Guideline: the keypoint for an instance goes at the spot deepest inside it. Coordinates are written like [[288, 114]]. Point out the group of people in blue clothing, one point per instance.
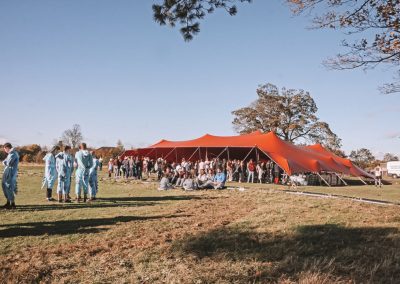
[[59, 166]]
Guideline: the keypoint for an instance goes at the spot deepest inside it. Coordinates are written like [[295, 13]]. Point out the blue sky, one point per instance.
[[109, 67]]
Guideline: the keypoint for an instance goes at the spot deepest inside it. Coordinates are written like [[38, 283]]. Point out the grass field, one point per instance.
[[136, 234]]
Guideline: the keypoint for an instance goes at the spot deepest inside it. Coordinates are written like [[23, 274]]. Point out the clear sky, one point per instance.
[[109, 67]]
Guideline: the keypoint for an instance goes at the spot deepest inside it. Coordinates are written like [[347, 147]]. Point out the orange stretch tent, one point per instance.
[[291, 158]]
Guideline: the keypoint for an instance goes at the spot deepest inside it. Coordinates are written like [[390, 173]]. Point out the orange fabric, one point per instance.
[[291, 158], [354, 170]]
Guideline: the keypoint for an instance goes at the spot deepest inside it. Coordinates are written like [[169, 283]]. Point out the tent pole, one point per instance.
[[169, 153], [199, 153], [222, 152], [271, 159], [176, 155], [206, 154], [248, 154], [228, 152], [257, 155], [151, 151], [324, 180], [363, 181], [194, 153], [345, 183]]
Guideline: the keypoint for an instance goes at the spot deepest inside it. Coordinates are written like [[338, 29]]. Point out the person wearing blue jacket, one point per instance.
[[9, 181], [219, 179], [65, 167], [93, 184], [84, 162], [50, 172]]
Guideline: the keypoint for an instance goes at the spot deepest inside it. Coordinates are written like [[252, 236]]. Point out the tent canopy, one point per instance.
[[291, 158]]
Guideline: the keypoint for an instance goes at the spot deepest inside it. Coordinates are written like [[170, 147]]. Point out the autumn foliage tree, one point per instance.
[[290, 113]]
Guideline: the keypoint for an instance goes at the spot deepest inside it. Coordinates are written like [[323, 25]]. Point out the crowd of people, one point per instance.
[[200, 174]]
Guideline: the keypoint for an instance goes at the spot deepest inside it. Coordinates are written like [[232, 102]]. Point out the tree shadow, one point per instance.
[[135, 201], [67, 227], [365, 254], [154, 198], [69, 206]]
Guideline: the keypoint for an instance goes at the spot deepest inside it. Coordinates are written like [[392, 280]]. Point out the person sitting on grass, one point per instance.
[[219, 179], [164, 182], [209, 182], [181, 177], [189, 183], [201, 178]]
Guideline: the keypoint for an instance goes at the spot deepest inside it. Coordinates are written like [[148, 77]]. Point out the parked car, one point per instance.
[[393, 169]]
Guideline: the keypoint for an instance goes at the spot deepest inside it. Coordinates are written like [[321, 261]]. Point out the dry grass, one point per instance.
[[136, 234]]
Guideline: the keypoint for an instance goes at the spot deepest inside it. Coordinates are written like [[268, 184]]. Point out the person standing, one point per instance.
[[378, 176], [65, 167], [93, 183], [110, 167], [277, 173], [9, 181], [50, 172], [84, 162], [100, 163], [250, 168], [260, 171]]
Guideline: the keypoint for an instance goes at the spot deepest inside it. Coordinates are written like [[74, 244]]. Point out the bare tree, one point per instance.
[[72, 137], [291, 114], [120, 145]]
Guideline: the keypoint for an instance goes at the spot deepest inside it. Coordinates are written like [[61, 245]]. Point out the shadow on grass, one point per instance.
[[67, 227], [69, 206], [111, 202], [154, 198], [366, 254]]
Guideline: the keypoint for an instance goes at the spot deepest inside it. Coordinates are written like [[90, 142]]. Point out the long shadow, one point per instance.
[[68, 227], [154, 198], [134, 201], [69, 206], [367, 254]]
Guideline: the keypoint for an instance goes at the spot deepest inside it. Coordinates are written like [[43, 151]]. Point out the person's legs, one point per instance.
[[49, 193], [93, 186], [78, 185], [67, 188], [5, 191], [60, 188], [250, 177], [85, 186]]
